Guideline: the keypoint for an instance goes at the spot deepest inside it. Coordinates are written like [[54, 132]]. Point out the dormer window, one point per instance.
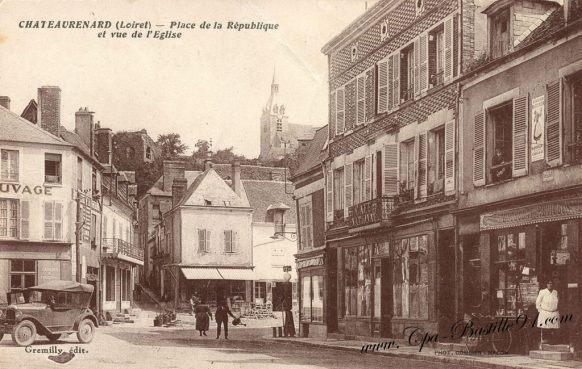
[[499, 33]]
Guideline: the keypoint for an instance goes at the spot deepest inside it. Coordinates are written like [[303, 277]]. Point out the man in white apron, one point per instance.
[[547, 306]]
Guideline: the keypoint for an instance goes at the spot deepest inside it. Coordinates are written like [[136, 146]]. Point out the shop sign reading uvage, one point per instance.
[[316, 261], [16, 188]]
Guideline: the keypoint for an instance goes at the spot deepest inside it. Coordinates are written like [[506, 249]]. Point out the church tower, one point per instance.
[[274, 124]]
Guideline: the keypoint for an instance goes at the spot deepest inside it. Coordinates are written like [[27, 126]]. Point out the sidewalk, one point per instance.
[[428, 354]]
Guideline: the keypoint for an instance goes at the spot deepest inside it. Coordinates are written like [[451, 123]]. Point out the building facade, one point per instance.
[[391, 174], [314, 283], [519, 216]]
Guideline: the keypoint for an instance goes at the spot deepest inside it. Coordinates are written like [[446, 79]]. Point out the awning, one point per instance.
[[539, 213], [239, 274]]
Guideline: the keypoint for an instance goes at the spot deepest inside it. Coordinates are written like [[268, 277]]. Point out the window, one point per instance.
[[93, 230], [509, 256], [9, 218], [94, 188], [306, 223], [357, 281], [53, 220], [439, 137], [279, 125], [411, 276], [104, 227], [407, 179], [230, 241], [203, 240], [501, 118], [156, 214], [109, 283], [22, 274], [576, 145], [79, 174], [340, 111], [499, 34], [125, 284], [338, 192], [52, 168], [436, 53], [9, 165], [407, 74], [312, 298], [260, 290], [359, 182], [148, 153], [361, 99]]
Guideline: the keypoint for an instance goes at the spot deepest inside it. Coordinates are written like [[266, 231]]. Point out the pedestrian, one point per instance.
[[221, 316], [548, 317], [203, 316]]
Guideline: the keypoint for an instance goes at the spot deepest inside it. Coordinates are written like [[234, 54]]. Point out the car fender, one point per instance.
[[85, 315], [40, 328]]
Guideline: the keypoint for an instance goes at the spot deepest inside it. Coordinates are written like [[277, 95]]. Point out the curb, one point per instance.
[[406, 355]]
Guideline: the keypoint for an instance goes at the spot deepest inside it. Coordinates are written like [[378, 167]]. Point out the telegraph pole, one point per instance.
[[78, 225]]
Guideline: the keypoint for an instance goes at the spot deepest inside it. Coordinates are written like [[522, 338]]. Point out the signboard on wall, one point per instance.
[[538, 128], [48, 270]]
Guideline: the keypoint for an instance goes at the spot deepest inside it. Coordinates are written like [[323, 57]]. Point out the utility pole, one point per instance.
[[78, 225]]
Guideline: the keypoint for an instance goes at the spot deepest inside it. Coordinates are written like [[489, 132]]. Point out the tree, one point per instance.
[[202, 149], [171, 145]]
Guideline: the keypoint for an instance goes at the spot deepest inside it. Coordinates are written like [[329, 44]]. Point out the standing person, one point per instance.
[[547, 305], [221, 316], [203, 316]]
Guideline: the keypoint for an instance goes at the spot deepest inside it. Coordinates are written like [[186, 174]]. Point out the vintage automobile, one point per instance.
[[49, 309]]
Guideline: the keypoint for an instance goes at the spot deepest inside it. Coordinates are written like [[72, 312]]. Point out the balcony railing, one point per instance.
[[118, 246], [377, 210]]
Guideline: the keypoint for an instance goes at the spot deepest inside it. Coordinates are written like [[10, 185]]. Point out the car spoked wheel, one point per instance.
[[24, 333], [86, 331]]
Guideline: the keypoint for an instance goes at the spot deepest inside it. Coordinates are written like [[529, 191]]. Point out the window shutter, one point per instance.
[[520, 132], [48, 220], [207, 242], [309, 229], [390, 76], [554, 124], [390, 169], [416, 171], [329, 199], [201, 240], [373, 176], [361, 99], [422, 164], [332, 117], [348, 187], [370, 99], [340, 122], [396, 80], [227, 241], [417, 66], [423, 62], [479, 150], [58, 220], [382, 86], [448, 49], [24, 219], [235, 241], [367, 178], [450, 157], [4, 171]]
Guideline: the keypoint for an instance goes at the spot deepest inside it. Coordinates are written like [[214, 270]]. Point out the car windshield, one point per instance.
[[17, 298]]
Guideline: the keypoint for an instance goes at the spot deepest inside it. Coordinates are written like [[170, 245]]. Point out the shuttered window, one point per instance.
[[449, 157], [479, 149], [361, 99], [329, 195], [520, 133], [332, 114], [53, 220], [9, 165], [396, 79], [230, 241], [349, 182], [390, 169], [423, 60], [382, 86], [340, 111], [554, 124], [203, 240], [448, 49], [422, 164], [368, 178]]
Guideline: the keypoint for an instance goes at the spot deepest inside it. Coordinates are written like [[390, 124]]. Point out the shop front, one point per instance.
[[521, 248], [313, 291]]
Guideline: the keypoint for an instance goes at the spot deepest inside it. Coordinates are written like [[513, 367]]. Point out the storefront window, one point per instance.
[[312, 298], [357, 281], [410, 276], [22, 274], [510, 262]]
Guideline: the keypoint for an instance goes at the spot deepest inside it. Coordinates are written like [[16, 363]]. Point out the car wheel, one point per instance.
[[24, 333], [1, 335], [53, 337], [86, 331]]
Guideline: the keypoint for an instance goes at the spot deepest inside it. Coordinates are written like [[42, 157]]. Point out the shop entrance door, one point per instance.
[[387, 300], [446, 280]]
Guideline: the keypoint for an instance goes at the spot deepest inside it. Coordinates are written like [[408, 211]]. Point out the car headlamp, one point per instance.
[[17, 314]]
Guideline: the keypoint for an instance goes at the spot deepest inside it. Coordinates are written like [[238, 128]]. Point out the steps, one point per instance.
[[552, 352]]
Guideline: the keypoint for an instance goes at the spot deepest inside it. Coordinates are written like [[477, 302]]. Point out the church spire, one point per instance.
[[274, 84]]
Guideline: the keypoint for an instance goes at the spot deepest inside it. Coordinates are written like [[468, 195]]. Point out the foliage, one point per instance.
[[171, 145]]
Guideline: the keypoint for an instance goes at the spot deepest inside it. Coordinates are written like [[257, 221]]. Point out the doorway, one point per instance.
[[446, 279]]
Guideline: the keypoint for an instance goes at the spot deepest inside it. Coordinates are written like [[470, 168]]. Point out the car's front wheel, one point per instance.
[[24, 333], [86, 331], [53, 337], [1, 335]]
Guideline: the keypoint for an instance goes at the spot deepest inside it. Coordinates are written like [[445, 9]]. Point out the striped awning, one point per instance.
[[238, 274], [532, 214]]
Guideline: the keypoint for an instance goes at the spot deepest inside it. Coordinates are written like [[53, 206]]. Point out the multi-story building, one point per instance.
[[49, 209], [314, 284], [391, 173], [132, 149], [278, 135], [520, 180]]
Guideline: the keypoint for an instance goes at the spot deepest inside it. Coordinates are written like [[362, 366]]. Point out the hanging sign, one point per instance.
[[538, 128]]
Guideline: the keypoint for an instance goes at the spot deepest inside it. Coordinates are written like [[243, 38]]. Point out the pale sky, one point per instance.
[[207, 84]]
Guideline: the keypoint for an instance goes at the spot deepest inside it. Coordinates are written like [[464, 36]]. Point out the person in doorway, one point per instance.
[[548, 317], [203, 317], [221, 316]]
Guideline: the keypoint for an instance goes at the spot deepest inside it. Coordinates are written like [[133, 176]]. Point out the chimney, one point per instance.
[[103, 144], [172, 169], [84, 126], [178, 189], [567, 11], [49, 109], [5, 102], [207, 164], [236, 184]]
